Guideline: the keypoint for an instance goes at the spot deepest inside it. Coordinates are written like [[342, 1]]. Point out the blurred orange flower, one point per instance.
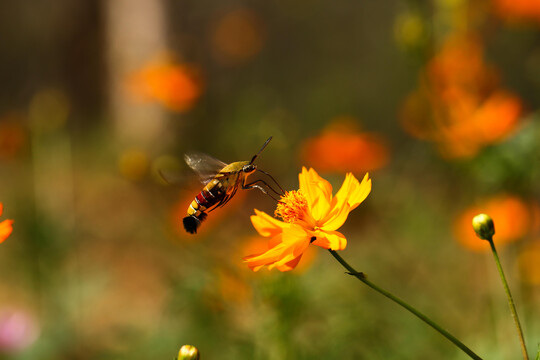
[[459, 66], [5, 227], [232, 287], [310, 215], [513, 219], [488, 122], [237, 37], [459, 104], [529, 263], [515, 10], [175, 86], [12, 135], [342, 147]]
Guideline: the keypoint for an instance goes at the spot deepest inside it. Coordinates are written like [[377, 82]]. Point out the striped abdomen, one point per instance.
[[211, 195]]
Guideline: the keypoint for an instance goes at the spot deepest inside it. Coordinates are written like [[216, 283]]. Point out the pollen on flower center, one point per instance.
[[292, 206]]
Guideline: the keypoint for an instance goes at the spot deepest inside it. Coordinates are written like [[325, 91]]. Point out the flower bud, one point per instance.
[[188, 352], [483, 226]]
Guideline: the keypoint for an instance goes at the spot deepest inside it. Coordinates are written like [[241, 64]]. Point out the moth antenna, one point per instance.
[[257, 154]]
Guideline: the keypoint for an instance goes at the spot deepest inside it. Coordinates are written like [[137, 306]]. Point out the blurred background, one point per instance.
[[438, 100]]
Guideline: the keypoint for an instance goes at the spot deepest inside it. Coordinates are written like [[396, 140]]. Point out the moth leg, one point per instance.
[[221, 202], [254, 185], [227, 197], [274, 180]]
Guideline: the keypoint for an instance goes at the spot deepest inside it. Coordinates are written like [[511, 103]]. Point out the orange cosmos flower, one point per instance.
[[310, 215], [5, 227]]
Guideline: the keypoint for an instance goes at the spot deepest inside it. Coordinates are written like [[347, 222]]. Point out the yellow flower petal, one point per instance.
[[333, 240], [255, 268], [266, 225], [268, 257], [336, 218], [294, 233], [359, 192], [287, 247], [291, 256], [278, 256], [290, 265], [354, 192], [274, 241], [324, 186], [349, 196], [318, 193]]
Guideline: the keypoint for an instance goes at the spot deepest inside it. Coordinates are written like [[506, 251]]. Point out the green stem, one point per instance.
[[510, 299], [362, 277]]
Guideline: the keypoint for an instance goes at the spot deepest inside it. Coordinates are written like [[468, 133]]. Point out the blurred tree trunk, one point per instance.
[[135, 33]]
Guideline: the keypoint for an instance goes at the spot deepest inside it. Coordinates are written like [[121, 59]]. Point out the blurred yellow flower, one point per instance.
[[310, 215], [513, 219], [5, 227], [133, 164], [410, 30]]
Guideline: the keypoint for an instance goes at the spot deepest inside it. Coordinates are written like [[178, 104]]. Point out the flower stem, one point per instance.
[[510, 299], [362, 277]]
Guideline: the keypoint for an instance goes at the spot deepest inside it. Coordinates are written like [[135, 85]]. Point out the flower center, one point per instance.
[[292, 206]]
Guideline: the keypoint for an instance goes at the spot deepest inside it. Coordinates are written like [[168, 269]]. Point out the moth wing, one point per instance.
[[206, 166]]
